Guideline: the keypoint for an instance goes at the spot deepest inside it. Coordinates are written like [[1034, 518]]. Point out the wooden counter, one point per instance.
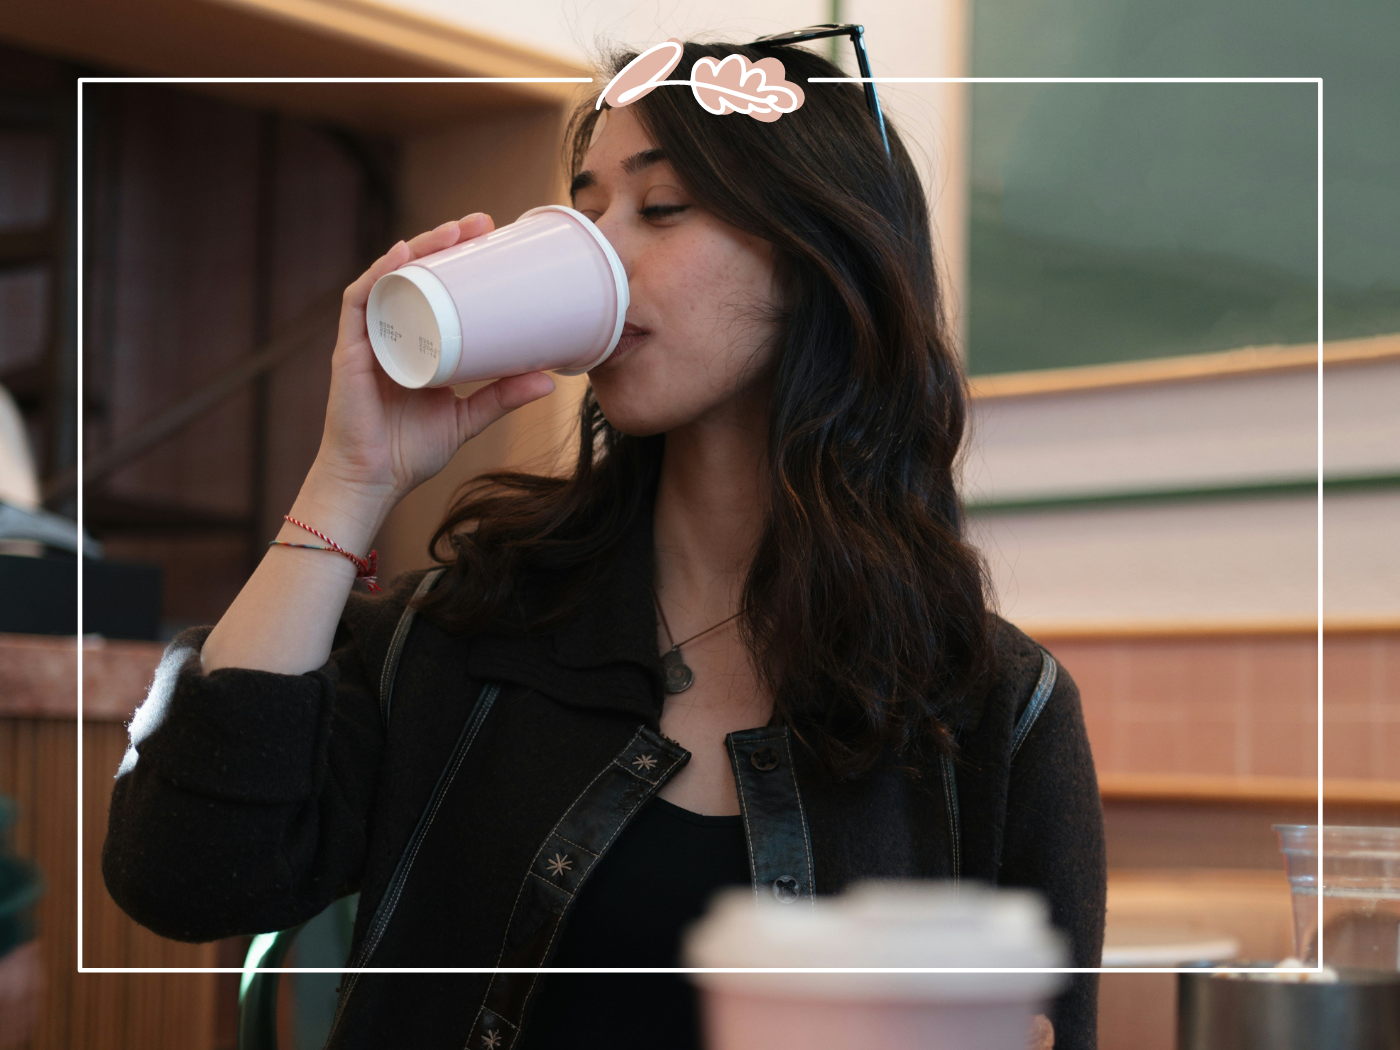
[[38, 768], [39, 677]]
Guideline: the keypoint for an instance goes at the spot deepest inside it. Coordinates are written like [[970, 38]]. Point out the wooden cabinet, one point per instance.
[[39, 770], [222, 222]]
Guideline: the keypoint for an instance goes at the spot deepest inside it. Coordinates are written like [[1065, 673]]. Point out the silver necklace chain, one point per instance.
[[679, 676]]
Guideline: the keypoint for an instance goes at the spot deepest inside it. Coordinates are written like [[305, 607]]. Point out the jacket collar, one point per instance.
[[606, 655]]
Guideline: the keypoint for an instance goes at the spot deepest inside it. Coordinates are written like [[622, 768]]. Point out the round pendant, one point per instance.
[[678, 675]]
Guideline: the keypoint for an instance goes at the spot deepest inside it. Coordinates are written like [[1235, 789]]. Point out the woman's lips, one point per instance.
[[631, 336]]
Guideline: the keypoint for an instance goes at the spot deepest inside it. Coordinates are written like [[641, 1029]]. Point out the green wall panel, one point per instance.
[[1124, 221]]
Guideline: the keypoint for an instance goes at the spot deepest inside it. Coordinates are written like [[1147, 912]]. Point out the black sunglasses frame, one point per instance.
[[857, 35]]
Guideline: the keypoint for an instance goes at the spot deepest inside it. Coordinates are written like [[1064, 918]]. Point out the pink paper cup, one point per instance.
[[545, 293], [872, 925]]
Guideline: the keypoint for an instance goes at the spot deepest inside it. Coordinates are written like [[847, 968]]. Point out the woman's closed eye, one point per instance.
[[658, 210]]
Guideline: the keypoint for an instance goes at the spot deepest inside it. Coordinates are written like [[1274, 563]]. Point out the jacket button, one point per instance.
[[765, 758], [785, 888]]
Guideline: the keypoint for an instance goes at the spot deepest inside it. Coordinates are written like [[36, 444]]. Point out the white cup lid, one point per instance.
[[422, 343], [896, 924]]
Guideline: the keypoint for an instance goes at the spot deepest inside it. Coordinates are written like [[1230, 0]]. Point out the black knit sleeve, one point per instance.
[[242, 804], [1054, 843]]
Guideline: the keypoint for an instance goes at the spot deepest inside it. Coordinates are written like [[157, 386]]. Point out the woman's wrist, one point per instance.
[[350, 514]]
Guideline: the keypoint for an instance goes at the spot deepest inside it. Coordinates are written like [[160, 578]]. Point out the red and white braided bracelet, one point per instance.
[[366, 569]]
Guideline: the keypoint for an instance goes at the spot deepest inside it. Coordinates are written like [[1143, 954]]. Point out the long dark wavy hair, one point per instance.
[[866, 611]]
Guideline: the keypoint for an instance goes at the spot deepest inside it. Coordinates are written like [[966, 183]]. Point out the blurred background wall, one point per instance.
[[1133, 273]]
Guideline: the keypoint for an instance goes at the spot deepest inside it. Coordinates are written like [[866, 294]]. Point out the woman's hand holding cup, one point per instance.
[[381, 440]]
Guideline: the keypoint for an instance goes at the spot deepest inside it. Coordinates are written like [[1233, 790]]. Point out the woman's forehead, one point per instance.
[[625, 135], [634, 154]]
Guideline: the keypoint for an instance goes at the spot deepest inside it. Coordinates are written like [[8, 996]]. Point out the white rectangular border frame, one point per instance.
[[550, 969]]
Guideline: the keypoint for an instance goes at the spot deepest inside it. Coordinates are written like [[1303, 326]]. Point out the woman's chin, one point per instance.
[[636, 424], [633, 402], [637, 412], [640, 399]]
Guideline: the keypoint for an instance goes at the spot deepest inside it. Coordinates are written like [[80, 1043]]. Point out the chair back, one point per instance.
[[257, 992]]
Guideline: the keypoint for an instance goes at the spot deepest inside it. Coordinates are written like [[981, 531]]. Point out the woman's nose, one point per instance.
[[614, 230]]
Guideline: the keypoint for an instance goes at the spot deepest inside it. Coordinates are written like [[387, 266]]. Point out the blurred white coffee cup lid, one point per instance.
[[889, 924]]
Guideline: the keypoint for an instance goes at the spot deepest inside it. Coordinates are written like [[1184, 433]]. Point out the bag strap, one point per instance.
[[1049, 671], [1040, 696], [396, 643], [950, 799]]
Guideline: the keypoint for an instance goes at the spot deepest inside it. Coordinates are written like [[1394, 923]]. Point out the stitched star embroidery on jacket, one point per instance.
[[491, 1039], [557, 865], [644, 761]]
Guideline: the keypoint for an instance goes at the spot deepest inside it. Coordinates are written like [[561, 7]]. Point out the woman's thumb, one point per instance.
[[491, 402]]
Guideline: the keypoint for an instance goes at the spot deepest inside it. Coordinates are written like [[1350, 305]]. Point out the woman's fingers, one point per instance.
[[450, 232], [490, 403], [475, 224], [353, 302], [358, 291], [435, 240], [1042, 1035]]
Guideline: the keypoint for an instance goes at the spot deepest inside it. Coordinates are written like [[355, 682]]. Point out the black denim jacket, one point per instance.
[[468, 794]]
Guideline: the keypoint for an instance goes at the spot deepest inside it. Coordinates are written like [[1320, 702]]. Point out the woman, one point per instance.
[[764, 493]]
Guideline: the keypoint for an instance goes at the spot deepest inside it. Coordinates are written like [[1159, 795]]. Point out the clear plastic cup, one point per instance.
[[876, 924], [544, 293], [1360, 894]]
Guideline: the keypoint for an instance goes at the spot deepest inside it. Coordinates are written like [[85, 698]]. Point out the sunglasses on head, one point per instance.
[[857, 35]]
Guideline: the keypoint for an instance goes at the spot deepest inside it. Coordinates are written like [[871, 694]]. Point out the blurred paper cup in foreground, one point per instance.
[[876, 924], [547, 292]]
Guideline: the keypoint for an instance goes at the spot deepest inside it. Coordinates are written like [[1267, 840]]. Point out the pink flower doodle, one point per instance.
[[730, 86]]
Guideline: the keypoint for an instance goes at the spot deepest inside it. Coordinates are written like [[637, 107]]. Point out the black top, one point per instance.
[[656, 879], [259, 798]]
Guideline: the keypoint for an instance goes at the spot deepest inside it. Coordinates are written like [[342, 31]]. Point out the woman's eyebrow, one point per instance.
[[633, 164]]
